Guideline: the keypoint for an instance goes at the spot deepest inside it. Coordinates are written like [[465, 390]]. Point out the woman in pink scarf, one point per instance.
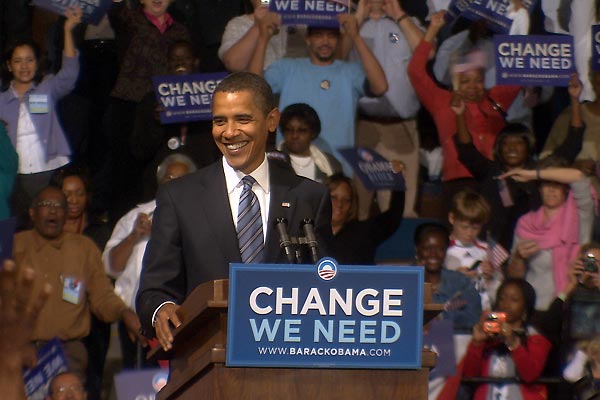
[[548, 238]]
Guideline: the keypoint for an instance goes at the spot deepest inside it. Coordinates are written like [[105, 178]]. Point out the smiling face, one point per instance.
[[470, 84], [49, 213], [341, 203], [156, 8], [321, 45], [77, 197], [431, 251], [23, 64], [513, 150], [240, 129], [181, 60]]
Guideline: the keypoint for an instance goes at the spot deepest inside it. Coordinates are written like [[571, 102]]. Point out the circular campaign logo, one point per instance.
[[159, 380], [327, 268], [365, 155]]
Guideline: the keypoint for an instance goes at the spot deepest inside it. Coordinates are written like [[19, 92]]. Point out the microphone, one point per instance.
[[311, 239], [284, 238]]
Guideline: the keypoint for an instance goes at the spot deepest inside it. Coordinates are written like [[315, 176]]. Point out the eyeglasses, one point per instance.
[[63, 390], [51, 205]]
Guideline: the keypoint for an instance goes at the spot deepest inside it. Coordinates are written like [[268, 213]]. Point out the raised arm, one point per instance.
[[237, 57], [436, 23], [560, 175], [120, 253], [64, 81], [268, 25], [573, 141], [411, 31], [431, 95], [375, 76], [73, 15]]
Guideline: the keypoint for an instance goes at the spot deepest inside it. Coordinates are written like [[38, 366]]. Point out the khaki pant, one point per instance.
[[394, 140]]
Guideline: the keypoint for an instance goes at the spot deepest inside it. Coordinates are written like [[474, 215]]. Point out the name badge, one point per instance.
[[38, 103], [72, 289]]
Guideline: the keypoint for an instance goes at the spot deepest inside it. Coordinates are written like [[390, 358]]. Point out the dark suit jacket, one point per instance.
[[194, 239]]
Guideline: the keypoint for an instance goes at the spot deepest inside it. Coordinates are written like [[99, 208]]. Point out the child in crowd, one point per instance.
[[467, 254], [29, 108], [509, 349], [151, 141]]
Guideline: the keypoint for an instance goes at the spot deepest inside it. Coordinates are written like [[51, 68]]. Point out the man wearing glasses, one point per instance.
[[72, 264], [66, 385]]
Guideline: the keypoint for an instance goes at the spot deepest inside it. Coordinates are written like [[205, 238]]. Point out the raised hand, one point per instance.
[[73, 15]]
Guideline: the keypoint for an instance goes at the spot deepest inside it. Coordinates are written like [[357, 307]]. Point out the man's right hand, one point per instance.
[[268, 22], [165, 316], [142, 227]]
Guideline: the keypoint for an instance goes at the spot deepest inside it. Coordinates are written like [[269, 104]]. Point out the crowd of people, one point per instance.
[[107, 198]]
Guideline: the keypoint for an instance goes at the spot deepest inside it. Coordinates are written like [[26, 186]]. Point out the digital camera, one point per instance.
[[492, 322], [590, 264]]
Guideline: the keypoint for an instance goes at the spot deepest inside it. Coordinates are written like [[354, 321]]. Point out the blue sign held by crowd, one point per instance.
[[595, 47], [374, 171], [314, 13], [186, 98], [51, 362], [534, 60], [494, 12], [455, 9], [140, 384], [325, 316], [93, 10]]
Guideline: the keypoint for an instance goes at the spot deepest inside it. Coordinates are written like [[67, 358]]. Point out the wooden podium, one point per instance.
[[198, 363]]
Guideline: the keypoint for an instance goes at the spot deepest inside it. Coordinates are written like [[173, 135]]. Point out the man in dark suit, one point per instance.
[[198, 218]]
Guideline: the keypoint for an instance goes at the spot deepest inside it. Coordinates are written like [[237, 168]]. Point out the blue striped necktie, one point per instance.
[[249, 226]]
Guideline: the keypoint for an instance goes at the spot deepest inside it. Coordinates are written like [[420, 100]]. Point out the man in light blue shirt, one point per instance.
[[332, 87]]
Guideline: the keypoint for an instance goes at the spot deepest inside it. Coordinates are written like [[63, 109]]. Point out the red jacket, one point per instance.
[[483, 122], [529, 362]]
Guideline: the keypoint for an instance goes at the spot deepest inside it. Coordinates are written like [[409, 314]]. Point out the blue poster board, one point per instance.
[[140, 384], [325, 316], [439, 339], [534, 60], [455, 9], [595, 48], [186, 98], [51, 361], [494, 12], [316, 13], [93, 10], [374, 171]]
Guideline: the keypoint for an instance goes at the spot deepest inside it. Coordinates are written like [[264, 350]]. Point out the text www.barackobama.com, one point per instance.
[[323, 351]]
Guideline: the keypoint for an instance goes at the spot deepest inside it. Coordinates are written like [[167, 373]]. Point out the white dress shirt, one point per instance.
[[128, 281], [262, 190]]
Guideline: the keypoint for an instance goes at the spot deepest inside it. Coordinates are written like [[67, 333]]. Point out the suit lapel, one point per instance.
[[281, 205], [218, 212]]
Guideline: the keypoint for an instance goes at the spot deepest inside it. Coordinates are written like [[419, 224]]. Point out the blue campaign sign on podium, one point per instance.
[[325, 316]]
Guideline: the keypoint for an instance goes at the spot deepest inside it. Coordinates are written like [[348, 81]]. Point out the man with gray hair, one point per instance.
[[125, 249]]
